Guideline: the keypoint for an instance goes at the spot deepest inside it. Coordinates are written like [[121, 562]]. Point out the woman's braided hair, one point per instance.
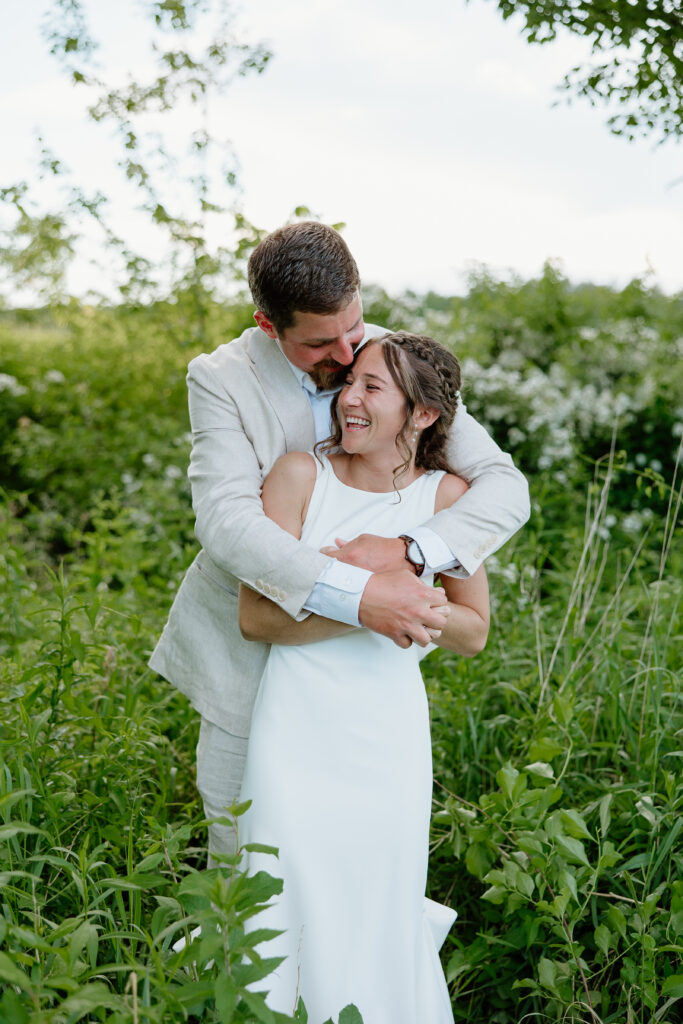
[[429, 376]]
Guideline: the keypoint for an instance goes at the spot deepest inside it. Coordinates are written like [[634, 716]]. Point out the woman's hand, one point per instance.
[[367, 551]]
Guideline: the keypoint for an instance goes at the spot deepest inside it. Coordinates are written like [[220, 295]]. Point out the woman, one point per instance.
[[339, 762]]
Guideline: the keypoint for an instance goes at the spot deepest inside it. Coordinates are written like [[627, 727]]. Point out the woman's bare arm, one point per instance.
[[467, 625], [286, 492]]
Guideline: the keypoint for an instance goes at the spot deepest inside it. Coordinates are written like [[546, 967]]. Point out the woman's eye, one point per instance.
[[372, 387]]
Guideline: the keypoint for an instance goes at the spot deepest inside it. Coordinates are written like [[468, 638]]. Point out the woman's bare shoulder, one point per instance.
[[450, 488], [296, 468], [287, 490]]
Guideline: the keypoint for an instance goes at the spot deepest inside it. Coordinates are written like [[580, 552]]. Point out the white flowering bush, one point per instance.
[[557, 372]]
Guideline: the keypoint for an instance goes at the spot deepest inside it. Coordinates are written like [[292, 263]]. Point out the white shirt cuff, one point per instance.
[[437, 554], [338, 591]]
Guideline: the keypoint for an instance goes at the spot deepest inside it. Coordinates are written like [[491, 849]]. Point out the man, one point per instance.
[[251, 400]]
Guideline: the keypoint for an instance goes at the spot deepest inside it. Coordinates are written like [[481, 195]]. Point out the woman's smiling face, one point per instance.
[[372, 408]]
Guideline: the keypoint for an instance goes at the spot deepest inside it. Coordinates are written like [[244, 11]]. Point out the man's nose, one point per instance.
[[343, 352]]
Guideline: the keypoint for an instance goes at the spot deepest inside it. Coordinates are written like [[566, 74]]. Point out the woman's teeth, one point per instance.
[[356, 421]]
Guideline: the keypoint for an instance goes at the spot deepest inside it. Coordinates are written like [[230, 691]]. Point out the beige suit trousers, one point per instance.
[[220, 766]]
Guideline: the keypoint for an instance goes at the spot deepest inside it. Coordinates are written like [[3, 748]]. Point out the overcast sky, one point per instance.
[[427, 127]]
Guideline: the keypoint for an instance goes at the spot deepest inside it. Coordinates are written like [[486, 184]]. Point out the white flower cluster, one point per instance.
[[550, 411], [11, 385], [54, 377]]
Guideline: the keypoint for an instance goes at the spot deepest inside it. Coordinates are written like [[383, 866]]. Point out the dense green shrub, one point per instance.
[[557, 751]]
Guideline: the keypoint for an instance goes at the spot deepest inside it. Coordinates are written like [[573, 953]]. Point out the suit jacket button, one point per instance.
[[259, 584]]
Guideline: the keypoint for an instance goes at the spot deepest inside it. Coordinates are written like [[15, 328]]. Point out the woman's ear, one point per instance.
[[424, 418]]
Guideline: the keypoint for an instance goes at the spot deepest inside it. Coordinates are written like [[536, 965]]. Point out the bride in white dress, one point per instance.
[[339, 761]]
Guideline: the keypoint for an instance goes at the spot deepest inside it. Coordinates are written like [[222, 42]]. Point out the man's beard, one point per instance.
[[328, 375]]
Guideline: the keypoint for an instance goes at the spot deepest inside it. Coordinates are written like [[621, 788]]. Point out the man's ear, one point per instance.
[[424, 418], [265, 324]]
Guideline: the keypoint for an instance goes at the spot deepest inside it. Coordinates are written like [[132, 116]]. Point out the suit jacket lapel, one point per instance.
[[284, 393]]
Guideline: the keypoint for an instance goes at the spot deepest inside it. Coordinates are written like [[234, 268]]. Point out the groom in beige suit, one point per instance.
[[253, 399]]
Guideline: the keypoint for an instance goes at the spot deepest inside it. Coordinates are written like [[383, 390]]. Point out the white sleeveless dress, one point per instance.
[[339, 772]]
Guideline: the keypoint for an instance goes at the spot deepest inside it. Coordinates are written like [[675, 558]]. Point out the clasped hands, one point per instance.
[[394, 603]]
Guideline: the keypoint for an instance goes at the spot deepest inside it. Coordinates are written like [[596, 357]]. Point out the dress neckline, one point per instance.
[[361, 490]]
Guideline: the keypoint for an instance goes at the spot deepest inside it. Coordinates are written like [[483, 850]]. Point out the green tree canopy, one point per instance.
[[637, 50]]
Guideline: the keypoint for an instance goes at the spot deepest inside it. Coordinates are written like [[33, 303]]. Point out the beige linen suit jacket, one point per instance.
[[246, 409]]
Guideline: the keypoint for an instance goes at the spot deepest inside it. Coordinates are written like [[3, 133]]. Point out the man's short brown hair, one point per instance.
[[304, 267]]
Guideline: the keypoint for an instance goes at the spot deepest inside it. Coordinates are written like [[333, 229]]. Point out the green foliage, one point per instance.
[[638, 51], [106, 913], [557, 758], [557, 750]]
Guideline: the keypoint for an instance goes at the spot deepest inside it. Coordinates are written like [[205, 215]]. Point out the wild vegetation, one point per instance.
[[557, 752]]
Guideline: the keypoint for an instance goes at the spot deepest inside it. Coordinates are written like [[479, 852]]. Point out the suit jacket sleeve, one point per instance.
[[495, 506], [226, 477]]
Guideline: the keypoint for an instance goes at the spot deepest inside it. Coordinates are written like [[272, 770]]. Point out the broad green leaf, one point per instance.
[[525, 884], [506, 778], [85, 936], [645, 807], [301, 1013], [616, 920], [257, 1005], [248, 973], [95, 996], [149, 863], [12, 974], [541, 768], [261, 848], [547, 974], [350, 1015], [605, 815], [608, 855], [63, 982], [259, 888], [673, 986], [495, 894], [572, 849], [253, 938], [575, 825], [226, 998], [477, 859], [563, 707], [545, 749], [603, 938], [568, 881]]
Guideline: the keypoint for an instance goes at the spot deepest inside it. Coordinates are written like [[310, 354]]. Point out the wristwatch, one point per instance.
[[413, 554]]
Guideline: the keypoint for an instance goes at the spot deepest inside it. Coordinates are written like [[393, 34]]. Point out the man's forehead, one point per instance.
[[317, 327]]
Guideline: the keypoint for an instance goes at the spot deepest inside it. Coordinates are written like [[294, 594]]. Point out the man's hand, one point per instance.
[[378, 554], [401, 608]]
